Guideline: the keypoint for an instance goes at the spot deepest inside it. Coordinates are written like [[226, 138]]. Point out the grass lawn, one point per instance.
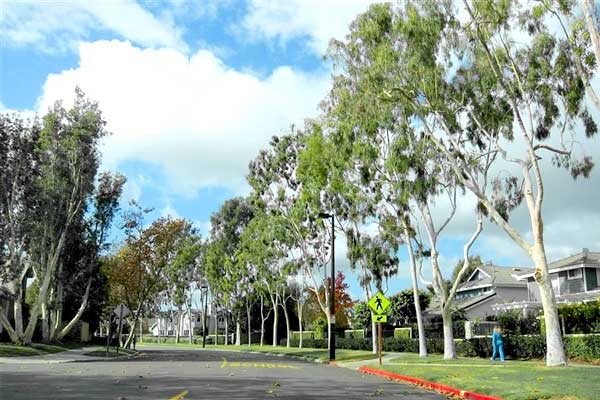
[[36, 349], [321, 354], [512, 380]]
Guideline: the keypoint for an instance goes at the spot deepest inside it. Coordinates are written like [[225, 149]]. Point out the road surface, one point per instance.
[[176, 374]]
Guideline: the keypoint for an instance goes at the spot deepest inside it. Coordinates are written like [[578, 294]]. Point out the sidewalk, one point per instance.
[[73, 355]]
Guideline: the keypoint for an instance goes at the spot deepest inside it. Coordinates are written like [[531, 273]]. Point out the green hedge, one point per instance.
[[295, 335], [354, 334], [583, 347], [403, 333]]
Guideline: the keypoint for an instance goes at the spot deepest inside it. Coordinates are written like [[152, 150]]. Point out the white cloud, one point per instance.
[[196, 119], [318, 20], [169, 212], [59, 26]]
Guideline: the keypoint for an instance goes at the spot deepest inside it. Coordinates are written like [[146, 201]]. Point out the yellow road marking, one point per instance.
[[242, 364], [180, 396]]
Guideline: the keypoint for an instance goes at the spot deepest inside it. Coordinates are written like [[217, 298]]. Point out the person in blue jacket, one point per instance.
[[497, 344]]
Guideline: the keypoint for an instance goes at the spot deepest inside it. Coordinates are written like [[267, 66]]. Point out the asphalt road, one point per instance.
[[176, 374]]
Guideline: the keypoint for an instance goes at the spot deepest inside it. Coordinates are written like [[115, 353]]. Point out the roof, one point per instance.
[[590, 258], [464, 304], [495, 275]]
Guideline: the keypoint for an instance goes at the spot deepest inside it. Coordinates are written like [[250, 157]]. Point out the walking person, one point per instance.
[[134, 340], [497, 344]]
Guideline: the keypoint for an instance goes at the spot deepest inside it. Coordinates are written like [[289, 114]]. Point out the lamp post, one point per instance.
[[332, 285], [205, 289]]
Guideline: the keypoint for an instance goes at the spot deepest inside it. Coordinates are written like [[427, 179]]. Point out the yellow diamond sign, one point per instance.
[[379, 303]]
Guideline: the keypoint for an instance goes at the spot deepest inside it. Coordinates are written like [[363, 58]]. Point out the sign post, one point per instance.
[[379, 304]]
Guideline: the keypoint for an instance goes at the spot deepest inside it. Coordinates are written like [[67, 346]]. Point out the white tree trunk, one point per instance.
[[44, 320], [178, 325], [262, 321], [415, 286], [226, 329], [287, 324], [249, 323], [238, 330], [329, 322], [449, 349], [275, 322], [190, 322], [79, 313], [18, 309], [300, 323], [555, 352]]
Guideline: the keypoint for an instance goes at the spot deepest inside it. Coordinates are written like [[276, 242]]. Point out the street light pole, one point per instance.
[[332, 286], [205, 289]]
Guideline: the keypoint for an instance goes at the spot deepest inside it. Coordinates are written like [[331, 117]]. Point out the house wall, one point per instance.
[[481, 310], [511, 294]]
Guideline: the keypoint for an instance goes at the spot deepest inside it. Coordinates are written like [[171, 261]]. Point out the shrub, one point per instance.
[[354, 333], [403, 333], [580, 317], [583, 347], [295, 335], [320, 327]]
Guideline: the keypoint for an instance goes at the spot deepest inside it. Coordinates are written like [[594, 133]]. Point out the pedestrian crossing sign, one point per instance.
[[380, 319], [379, 303]]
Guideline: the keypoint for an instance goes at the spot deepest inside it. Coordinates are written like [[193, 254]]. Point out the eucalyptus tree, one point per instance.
[[78, 276], [18, 170], [67, 158], [264, 250], [390, 163], [279, 191], [225, 271], [516, 96]]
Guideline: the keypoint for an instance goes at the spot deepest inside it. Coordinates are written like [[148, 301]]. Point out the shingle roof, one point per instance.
[[497, 276], [434, 305]]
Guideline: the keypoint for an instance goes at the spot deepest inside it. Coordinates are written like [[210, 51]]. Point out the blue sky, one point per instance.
[[192, 90]]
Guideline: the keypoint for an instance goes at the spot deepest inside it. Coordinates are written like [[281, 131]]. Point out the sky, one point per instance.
[[192, 90]]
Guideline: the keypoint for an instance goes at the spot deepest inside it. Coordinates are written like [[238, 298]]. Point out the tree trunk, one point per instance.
[[449, 349], [415, 286], [275, 322], [329, 321], [190, 321], [14, 337], [249, 322], [18, 308], [79, 313], [300, 323], [373, 333], [287, 324], [44, 320], [238, 330], [262, 321], [226, 329], [555, 351], [178, 325], [216, 326]]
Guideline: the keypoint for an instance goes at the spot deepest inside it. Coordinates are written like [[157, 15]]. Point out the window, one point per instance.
[[198, 319], [161, 332], [170, 333], [574, 273], [186, 332]]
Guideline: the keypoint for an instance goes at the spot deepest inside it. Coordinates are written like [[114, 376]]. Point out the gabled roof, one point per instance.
[[495, 276], [584, 257], [464, 304]]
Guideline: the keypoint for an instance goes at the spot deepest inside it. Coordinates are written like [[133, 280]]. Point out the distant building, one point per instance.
[[574, 279], [487, 286]]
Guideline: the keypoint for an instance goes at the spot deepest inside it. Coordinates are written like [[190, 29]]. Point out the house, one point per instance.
[[487, 286], [575, 279], [165, 326]]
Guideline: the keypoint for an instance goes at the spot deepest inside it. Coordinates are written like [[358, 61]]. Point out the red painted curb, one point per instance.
[[427, 384]]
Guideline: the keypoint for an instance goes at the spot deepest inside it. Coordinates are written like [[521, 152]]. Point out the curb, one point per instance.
[[427, 384]]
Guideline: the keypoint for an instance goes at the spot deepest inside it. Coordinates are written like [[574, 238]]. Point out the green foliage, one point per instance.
[[402, 307], [474, 263], [581, 317], [354, 333], [403, 333], [295, 335], [361, 316], [320, 327]]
